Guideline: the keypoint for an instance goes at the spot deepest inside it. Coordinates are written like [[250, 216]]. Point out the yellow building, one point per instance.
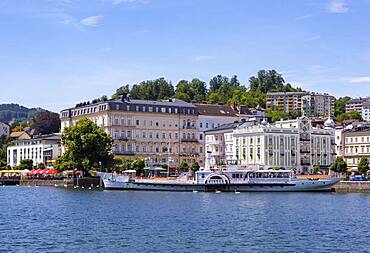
[[162, 132], [356, 144]]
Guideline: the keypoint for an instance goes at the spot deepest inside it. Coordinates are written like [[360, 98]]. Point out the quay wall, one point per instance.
[[351, 186], [39, 182], [70, 183]]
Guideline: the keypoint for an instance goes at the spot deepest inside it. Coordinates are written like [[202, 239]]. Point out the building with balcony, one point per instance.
[[219, 143], [309, 104], [285, 101], [356, 104], [356, 144], [365, 111], [162, 132], [43, 149], [290, 144], [318, 105]]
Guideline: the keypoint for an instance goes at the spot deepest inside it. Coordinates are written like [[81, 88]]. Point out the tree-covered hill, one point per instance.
[[10, 112], [220, 89]]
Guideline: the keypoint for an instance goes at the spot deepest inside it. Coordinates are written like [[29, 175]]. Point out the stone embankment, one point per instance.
[[70, 183], [351, 186]]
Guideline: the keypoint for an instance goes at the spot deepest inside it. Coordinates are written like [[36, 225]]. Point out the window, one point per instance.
[[163, 109], [200, 124], [137, 122]]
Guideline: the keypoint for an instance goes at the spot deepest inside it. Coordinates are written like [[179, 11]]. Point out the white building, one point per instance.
[[318, 105], [356, 144], [4, 129], [338, 140], [291, 144], [219, 143], [213, 116], [365, 111], [45, 149]]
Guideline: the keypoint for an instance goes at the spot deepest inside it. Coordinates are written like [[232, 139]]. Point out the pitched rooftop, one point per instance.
[[216, 110]]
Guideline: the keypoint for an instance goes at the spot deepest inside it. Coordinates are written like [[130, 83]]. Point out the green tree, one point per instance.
[[353, 115], [316, 169], [4, 143], [41, 166], [270, 81], [194, 167], [184, 166], [62, 164], [46, 122], [200, 90], [184, 91], [363, 165], [25, 164], [340, 105], [125, 89], [152, 90], [87, 145], [139, 164], [339, 165], [294, 114], [276, 115], [216, 82]]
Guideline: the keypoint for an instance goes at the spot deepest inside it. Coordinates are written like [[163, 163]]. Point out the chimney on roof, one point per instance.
[[123, 97]]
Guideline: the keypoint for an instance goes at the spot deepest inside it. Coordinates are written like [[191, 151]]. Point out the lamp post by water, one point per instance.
[[101, 167]]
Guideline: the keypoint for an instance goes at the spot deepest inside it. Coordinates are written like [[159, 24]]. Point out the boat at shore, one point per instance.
[[223, 181]]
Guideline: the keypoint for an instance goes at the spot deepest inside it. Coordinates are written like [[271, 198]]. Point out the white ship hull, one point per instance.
[[298, 185]]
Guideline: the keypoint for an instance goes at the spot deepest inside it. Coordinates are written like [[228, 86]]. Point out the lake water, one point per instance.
[[61, 220]]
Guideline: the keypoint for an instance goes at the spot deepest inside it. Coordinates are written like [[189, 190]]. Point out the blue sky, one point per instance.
[[54, 54]]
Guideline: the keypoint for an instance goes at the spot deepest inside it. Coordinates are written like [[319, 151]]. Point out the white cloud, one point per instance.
[[91, 21], [337, 6], [116, 2], [360, 79]]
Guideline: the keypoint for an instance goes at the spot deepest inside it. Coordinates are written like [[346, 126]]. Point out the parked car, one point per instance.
[[358, 178]]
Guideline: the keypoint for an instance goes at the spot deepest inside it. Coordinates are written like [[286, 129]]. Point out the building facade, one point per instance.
[[339, 148], [356, 144], [162, 132], [309, 104], [4, 129], [285, 101], [291, 144], [219, 143], [318, 105], [43, 149], [365, 111], [356, 104]]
